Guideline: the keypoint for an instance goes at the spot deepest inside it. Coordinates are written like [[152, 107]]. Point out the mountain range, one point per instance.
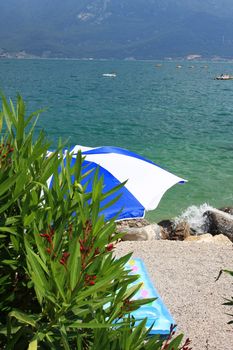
[[141, 29]]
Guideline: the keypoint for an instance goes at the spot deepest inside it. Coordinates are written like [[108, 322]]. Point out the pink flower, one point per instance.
[[64, 258], [110, 247]]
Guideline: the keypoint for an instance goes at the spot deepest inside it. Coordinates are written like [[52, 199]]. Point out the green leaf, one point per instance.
[[50, 167], [229, 272], [113, 190], [59, 276], [22, 183], [20, 122], [136, 334], [1, 121], [8, 115], [68, 173], [14, 340], [33, 345], [37, 274], [74, 263], [111, 203], [64, 337], [175, 342], [9, 262], [15, 242], [13, 110], [36, 258], [12, 220], [40, 243], [133, 290], [91, 325], [28, 219], [24, 318], [6, 185], [34, 114], [8, 229], [78, 166]]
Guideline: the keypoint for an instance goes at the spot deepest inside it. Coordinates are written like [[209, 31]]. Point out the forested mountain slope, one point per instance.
[[117, 28]]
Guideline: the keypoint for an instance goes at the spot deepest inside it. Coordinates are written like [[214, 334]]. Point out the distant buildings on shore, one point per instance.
[[4, 54], [22, 54]]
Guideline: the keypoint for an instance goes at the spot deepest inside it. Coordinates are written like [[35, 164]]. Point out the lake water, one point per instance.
[[182, 119]]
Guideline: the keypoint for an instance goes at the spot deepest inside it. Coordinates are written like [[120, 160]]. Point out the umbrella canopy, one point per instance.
[[146, 181]]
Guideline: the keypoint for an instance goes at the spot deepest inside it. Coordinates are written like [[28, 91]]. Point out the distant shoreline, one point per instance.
[[90, 59]]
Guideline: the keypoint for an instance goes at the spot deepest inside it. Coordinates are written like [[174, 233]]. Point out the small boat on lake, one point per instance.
[[110, 75], [224, 77]]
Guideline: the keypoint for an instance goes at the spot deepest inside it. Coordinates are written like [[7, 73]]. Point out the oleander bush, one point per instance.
[[60, 285]]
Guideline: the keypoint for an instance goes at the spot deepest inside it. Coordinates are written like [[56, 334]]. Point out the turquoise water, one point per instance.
[[182, 119]]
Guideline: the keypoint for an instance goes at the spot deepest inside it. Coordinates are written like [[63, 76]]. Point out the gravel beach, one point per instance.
[[184, 274]]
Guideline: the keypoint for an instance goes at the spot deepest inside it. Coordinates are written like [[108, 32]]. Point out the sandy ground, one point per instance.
[[184, 274]]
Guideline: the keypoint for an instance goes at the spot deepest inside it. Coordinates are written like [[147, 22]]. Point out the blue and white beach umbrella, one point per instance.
[[146, 181]]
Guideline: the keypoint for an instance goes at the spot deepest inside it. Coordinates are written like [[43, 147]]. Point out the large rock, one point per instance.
[[228, 210], [175, 232], [146, 233], [182, 231], [207, 237], [168, 228], [219, 222], [221, 239], [131, 223]]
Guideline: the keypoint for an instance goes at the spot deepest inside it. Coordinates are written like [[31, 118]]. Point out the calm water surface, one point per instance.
[[182, 119]]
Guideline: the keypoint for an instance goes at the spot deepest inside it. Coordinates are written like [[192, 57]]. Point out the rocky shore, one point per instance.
[[217, 226]]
